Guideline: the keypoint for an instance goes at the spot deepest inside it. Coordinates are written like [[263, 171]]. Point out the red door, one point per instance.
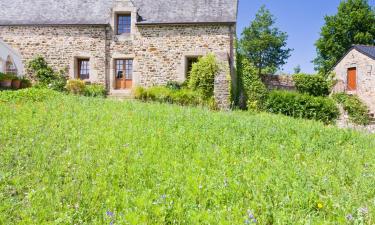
[[352, 79]]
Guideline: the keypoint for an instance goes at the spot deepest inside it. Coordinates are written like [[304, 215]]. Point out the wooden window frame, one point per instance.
[[79, 68], [125, 28]]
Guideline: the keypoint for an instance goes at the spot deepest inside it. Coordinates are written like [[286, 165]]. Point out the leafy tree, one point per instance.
[[263, 44], [297, 69], [353, 24]]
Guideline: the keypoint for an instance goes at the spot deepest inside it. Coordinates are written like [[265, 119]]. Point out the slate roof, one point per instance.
[[39, 12], [366, 50]]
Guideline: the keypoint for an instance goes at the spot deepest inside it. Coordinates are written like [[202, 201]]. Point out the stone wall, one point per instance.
[[60, 45], [365, 76], [159, 52], [282, 82]]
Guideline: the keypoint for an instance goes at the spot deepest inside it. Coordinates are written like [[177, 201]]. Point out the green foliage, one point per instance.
[[174, 96], [254, 89], [45, 76], [263, 44], [202, 76], [175, 85], [357, 110], [73, 160], [354, 23], [95, 90], [302, 106], [76, 87], [25, 82], [7, 76], [28, 95], [315, 85]]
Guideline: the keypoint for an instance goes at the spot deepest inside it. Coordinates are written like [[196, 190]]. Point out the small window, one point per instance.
[[189, 64], [10, 67], [123, 24], [83, 69]]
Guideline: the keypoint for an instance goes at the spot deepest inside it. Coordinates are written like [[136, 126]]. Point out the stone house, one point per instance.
[[124, 43], [355, 74], [10, 60]]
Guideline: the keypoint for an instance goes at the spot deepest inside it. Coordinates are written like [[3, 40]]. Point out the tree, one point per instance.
[[297, 69], [263, 44], [353, 24]]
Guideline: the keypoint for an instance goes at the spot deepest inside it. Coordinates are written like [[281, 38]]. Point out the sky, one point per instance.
[[301, 19]]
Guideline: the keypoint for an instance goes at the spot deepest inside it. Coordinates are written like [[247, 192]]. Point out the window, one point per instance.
[[189, 65], [123, 24], [124, 67], [83, 69], [10, 67]]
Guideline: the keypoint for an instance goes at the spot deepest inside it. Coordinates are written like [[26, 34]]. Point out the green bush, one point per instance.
[[174, 96], [28, 95], [254, 89], [357, 110], [7, 76], [202, 75], [45, 75], [95, 90], [315, 85], [76, 87], [302, 106], [25, 82]]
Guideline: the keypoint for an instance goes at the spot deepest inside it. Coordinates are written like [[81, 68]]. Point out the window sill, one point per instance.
[[124, 37]]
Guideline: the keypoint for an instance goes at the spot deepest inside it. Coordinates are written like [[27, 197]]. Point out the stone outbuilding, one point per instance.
[[124, 43], [10, 60], [355, 74]]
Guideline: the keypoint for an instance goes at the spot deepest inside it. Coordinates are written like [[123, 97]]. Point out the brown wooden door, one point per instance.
[[352, 79], [124, 73]]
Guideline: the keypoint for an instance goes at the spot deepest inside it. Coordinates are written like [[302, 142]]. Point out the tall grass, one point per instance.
[[77, 160]]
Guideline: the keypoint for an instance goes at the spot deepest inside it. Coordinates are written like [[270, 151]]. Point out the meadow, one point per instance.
[[78, 160]]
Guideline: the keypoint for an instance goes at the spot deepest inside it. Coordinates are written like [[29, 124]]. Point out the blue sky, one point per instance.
[[301, 19]]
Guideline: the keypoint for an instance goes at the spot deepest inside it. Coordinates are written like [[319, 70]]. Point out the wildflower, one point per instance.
[[320, 205], [349, 217], [109, 213], [363, 211]]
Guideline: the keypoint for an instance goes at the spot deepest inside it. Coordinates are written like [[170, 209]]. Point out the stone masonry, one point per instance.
[[159, 52], [365, 67]]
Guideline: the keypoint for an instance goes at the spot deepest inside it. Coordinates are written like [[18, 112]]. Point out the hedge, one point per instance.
[[302, 106]]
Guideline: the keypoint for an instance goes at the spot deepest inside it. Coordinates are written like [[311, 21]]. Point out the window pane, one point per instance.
[[84, 69], [129, 69], [119, 68], [123, 24]]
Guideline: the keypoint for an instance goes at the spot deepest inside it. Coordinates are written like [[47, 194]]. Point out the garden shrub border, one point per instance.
[[357, 110], [305, 106]]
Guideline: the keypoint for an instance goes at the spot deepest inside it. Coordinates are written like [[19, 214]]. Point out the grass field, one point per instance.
[[77, 160]]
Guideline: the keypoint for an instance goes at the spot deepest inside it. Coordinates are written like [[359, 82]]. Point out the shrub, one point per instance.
[[95, 90], [315, 85], [76, 87], [7, 76], [357, 110], [167, 95], [27, 95], [45, 75], [202, 75], [254, 89], [174, 85], [25, 83], [302, 106]]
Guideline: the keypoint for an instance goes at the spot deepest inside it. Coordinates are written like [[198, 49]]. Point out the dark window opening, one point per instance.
[[123, 24], [83, 69], [189, 66]]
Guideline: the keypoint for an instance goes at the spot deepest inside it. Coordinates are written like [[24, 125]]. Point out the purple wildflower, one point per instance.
[[349, 217], [109, 213]]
